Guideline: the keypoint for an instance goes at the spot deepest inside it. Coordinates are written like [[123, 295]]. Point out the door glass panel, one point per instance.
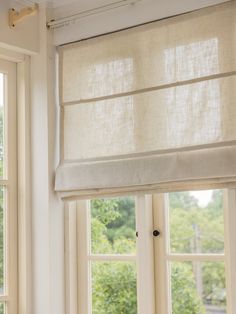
[[113, 226], [114, 288], [2, 308], [2, 103], [196, 222], [198, 287]]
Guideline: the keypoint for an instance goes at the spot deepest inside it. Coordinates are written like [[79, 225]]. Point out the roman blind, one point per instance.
[[150, 108]]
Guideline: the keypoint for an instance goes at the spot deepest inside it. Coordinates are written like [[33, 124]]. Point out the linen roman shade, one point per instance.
[[152, 107]]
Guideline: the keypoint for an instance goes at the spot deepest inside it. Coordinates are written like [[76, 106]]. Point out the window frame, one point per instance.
[[163, 255], [9, 183], [153, 292], [23, 257]]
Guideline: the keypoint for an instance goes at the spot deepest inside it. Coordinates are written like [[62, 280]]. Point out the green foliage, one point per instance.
[[114, 288], [113, 226], [195, 229], [2, 308], [113, 232], [214, 284], [184, 295]]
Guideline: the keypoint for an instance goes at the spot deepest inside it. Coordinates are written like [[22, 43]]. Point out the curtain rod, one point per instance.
[[141, 24], [61, 22]]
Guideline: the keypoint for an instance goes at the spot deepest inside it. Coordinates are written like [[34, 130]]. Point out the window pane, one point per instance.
[[196, 222], [114, 288], [113, 226], [2, 308], [2, 242], [2, 101], [198, 287]]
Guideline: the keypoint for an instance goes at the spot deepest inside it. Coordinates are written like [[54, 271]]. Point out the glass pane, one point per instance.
[[114, 288], [2, 99], [2, 308], [196, 222], [113, 226], [2, 242], [198, 287]]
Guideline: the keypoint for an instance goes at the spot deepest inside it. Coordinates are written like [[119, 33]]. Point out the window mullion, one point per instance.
[[112, 257], [145, 263], [230, 249], [162, 287], [10, 181], [195, 257], [83, 265], [71, 258]]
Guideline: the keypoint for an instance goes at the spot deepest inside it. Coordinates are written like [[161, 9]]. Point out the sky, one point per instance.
[[203, 197]]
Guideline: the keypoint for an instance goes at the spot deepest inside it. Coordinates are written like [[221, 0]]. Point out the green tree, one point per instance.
[[185, 299], [196, 229], [114, 283]]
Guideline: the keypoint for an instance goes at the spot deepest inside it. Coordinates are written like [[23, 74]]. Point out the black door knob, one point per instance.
[[156, 233]]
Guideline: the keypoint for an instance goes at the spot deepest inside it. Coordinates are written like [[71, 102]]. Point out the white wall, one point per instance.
[[47, 211], [24, 37]]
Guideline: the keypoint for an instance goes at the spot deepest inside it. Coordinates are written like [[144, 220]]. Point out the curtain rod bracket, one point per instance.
[[17, 16]]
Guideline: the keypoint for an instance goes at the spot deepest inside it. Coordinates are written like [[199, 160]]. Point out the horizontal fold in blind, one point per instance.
[[153, 106]]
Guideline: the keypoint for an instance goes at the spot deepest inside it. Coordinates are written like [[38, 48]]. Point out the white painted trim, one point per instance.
[[196, 257], [230, 249], [24, 188], [10, 193], [162, 288], [71, 258], [84, 305], [11, 55], [4, 182], [145, 254], [111, 257]]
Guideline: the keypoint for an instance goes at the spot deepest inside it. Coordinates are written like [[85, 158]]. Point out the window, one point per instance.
[[191, 252], [182, 270], [8, 191]]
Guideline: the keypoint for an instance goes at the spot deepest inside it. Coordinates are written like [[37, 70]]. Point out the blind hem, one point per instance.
[[205, 168]]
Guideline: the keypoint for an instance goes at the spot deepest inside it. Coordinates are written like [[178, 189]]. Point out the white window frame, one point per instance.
[[22, 234], [153, 288], [9, 182], [163, 255]]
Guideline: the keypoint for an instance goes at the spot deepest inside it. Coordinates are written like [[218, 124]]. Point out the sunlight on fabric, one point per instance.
[[195, 59]]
